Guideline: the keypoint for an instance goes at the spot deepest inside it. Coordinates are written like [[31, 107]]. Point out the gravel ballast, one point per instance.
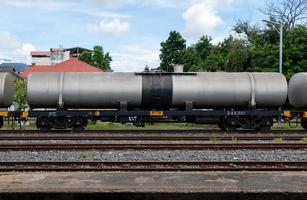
[[155, 155]]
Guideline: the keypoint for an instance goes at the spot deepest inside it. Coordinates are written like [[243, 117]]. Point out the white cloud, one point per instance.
[[108, 14], [109, 27], [8, 41], [121, 3], [46, 4], [113, 3], [13, 49], [165, 3], [202, 17], [134, 57]]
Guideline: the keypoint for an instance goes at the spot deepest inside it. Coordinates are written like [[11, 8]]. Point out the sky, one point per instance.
[[131, 30]]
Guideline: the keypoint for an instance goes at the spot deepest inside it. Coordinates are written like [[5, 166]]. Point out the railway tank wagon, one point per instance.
[[231, 100], [7, 89], [297, 94]]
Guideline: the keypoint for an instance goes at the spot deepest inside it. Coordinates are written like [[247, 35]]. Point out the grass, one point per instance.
[[215, 138], [278, 140], [234, 139], [156, 126], [86, 154], [305, 139]]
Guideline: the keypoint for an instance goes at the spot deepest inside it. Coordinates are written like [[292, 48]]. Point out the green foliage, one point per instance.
[[305, 139], [238, 55], [97, 58], [278, 140], [20, 95], [264, 49], [232, 55], [87, 154], [172, 51], [295, 52], [254, 49], [215, 138], [234, 139]]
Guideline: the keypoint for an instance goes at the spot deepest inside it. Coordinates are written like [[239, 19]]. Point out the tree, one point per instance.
[[198, 57], [97, 58], [288, 12], [238, 55], [295, 59], [101, 59], [86, 56], [20, 95], [264, 49], [172, 51]]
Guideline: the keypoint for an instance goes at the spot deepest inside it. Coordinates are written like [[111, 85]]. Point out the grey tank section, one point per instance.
[[107, 90], [83, 90], [298, 90], [231, 89], [6, 90]]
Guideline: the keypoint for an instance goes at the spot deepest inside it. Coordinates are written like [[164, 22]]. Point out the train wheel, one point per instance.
[[79, 124], [220, 125], [1, 122], [42, 123], [264, 128], [304, 123], [266, 125], [229, 125]]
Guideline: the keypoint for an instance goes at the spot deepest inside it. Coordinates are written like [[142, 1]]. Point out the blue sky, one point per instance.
[[131, 30]]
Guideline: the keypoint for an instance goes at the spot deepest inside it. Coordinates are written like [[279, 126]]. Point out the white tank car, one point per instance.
[[7, 89], [298, 90], [203, 90]]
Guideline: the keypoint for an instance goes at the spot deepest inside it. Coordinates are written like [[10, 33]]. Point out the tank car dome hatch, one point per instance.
[[7, 88], [298, 90], [156, 90]]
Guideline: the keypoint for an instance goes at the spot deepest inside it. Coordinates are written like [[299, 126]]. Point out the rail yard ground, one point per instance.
[[154, 185], [153, 164]]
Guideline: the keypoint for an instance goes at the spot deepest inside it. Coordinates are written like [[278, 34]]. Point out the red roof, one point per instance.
[[40, 53], [72, 65], [35, 68]]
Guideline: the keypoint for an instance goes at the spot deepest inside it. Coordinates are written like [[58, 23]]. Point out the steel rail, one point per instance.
[[156, 166], [155, 146], [153, 138], [157, 131]]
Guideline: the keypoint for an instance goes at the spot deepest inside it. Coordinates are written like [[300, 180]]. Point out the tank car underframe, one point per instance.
[[295, 118], [228, 120]]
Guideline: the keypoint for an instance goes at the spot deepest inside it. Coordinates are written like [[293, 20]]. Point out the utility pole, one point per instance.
[[281, 32]]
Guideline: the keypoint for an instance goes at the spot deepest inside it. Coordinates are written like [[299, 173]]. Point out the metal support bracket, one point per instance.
[[189, 105], [123, 106], [252, 103], [61, 84]]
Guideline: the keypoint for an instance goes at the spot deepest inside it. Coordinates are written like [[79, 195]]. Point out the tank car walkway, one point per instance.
[[177, 185]]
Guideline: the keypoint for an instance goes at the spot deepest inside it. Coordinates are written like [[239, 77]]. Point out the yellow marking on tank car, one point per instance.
[[25, 114], [156, 113], [287, 114], [305, 114], [4, 114], [97, 113]]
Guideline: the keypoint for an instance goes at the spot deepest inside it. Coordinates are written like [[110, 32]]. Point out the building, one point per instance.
[[40, 58], [55, 55], [71, 65]]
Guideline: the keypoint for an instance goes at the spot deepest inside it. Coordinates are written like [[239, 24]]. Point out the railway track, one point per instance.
[[155, 131], [155, 146], [154, 166], [153, 138]]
